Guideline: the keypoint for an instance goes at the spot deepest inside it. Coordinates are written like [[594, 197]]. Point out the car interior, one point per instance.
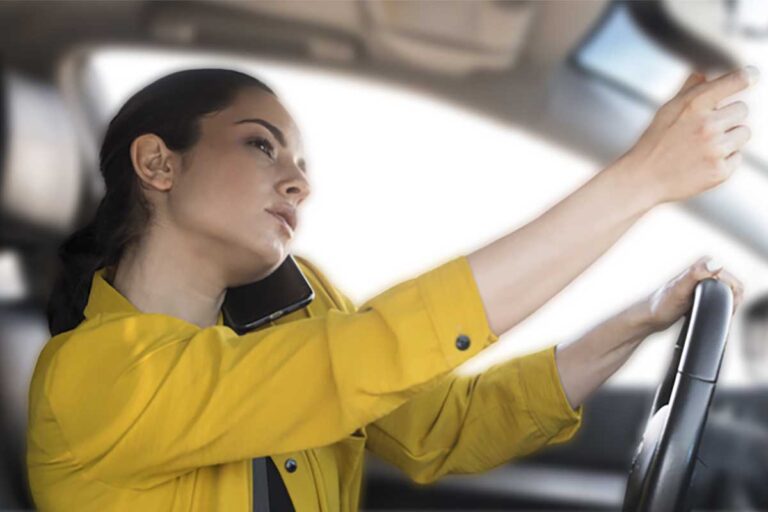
[[582, 75]]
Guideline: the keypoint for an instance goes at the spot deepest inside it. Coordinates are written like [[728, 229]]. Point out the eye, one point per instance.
[[262, 143]]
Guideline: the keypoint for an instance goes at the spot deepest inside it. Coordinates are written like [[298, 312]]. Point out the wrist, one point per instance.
[[630, 179], [639, 320]]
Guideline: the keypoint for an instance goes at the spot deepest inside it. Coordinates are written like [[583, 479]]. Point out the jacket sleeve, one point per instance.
[[146, 412], [474, 423]]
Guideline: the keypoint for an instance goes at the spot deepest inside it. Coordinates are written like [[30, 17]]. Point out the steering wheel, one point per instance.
[[666, 456]]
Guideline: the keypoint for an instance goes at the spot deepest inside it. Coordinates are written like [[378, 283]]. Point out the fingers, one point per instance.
[[729, 115], [737, 287], [718, 132], [732, 135], [693, 79], [721, 135], [707, 95], [671, 109], [704, 267], [732, 162], [708, 267], [733, 140]]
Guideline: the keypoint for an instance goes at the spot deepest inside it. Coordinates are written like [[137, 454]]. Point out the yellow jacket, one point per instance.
[[145, 411]]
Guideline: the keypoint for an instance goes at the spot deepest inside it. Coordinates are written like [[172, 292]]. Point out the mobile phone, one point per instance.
[[251, 305]]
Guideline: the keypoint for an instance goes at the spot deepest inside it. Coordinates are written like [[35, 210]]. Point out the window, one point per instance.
[[619, 52]]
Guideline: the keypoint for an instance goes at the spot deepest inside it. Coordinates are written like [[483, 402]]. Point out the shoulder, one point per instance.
[[87, 375], [103, 346]]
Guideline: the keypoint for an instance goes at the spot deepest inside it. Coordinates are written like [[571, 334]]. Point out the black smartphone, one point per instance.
[[251, 305]]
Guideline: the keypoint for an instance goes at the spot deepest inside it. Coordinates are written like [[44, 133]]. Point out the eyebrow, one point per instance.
[[276, 132]]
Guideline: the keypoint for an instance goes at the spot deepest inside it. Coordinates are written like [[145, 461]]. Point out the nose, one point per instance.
[[295, 187]]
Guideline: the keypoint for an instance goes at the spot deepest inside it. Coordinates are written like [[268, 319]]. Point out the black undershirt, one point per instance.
[[279, 500]]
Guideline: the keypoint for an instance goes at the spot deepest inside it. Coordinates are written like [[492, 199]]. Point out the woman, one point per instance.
[[144, 400]]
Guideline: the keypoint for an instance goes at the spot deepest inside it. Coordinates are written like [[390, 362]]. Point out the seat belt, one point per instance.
[[260, 485]]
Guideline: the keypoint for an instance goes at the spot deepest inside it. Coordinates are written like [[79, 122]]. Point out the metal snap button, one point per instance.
[[462, 342]]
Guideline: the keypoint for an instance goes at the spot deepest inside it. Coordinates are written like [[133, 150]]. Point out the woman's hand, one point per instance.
[[585, 363], [692, 144], [674, 299]]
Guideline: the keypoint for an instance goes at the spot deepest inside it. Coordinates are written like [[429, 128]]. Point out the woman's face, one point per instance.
[[249, 159]]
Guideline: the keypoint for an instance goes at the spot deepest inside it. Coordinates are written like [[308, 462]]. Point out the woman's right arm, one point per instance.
[[689, 147]]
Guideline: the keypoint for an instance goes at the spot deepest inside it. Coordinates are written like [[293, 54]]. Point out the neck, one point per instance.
[[164, 274]]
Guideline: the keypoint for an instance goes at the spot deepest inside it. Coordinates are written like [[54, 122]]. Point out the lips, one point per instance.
[[287, 213]]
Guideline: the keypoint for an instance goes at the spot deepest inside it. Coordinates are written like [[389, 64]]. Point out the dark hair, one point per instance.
[[170, 108]]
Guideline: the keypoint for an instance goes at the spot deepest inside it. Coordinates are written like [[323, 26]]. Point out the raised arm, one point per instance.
[[474, 423], [690, 146]]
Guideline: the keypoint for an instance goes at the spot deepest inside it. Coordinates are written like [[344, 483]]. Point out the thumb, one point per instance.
[[694, 79], [672, 108], [704, 268]]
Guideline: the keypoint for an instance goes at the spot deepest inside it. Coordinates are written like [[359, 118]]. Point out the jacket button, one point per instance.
[[462, 342], [290, 465]]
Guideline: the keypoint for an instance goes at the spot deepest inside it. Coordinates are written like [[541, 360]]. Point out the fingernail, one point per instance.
[[714, 265], [753, 73]]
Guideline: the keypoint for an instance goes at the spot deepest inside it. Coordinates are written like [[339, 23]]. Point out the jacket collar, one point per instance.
[[104, 298]]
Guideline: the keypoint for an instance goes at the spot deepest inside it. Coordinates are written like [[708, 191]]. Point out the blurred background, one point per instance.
[[431, 128]]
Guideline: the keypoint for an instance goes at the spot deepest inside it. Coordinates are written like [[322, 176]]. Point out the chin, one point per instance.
[[257, 262], [273, 256]]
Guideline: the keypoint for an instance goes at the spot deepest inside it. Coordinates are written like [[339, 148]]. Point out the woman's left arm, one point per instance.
[[474, 423], [587, 362]]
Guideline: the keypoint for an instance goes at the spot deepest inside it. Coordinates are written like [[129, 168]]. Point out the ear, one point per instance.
[[154, 163]]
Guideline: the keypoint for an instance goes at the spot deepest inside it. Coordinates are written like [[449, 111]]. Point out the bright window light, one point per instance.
[[620, 51]]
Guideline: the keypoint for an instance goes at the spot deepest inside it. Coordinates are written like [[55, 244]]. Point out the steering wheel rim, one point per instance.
[[666, 456]]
